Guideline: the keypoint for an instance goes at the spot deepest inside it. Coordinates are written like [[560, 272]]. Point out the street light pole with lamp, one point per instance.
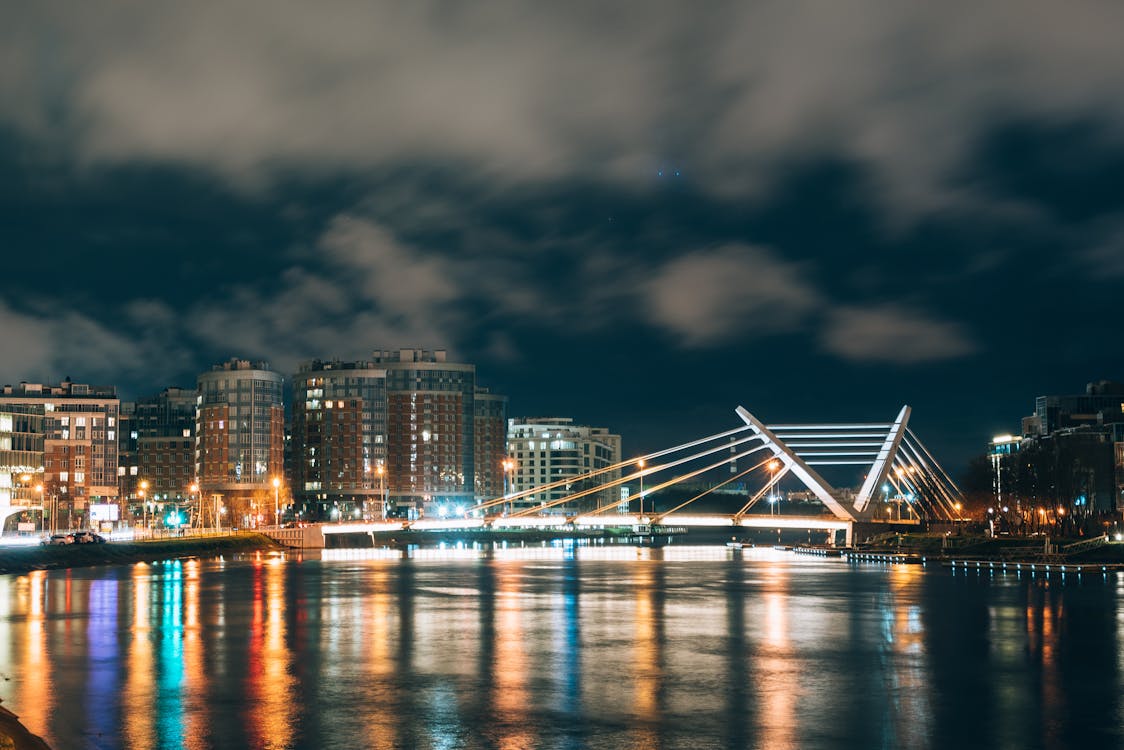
[[197, 503], [142, 493], [774, 466], [42, 521], [277, 501], [641, 463], [508, 468], [381, 471]]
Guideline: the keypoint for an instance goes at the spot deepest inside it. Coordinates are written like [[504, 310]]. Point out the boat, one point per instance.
[[735, 544]]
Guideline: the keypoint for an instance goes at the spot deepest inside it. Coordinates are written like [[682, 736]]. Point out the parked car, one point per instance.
[[88, 537], [57, 539]]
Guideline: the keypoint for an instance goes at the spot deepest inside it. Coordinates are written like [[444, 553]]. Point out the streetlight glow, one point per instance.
[[276, 501]]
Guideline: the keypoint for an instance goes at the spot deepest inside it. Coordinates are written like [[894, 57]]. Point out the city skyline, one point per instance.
[[619, 216]]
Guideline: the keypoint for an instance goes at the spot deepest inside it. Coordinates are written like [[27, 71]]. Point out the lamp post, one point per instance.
[[42, 522], [381, 471], [142, 493], [508, 468], [774, 466], [277, 501], [641, 463], [197, 502]]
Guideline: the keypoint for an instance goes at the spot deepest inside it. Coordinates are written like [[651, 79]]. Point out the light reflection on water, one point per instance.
[[564, 646]]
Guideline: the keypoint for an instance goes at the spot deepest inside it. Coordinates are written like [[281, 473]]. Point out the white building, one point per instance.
[[545, 450]]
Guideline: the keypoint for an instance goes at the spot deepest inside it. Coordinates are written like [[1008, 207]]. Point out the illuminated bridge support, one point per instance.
[[891, 454]]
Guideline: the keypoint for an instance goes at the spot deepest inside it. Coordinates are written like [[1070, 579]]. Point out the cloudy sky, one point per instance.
[[640, 214]]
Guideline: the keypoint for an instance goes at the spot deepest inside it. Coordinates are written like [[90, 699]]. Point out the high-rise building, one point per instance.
[[404, 425], [431, 420], [554, 449], [1070, 455], [239, 439], [490, 449], [80, 443], [21, 462], [158, 446], [339, 439], [1101, 403]]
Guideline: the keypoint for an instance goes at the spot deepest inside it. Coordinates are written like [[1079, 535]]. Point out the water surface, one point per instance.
[[560, 647]]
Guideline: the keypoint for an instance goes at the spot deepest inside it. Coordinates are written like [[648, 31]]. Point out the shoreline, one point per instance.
[[20, 560], [21, 739]]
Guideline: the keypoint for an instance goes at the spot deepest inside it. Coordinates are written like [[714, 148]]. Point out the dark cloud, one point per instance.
[[730, 94], [855, 191]]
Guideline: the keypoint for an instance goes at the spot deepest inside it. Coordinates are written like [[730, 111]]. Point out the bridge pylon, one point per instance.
[[892, 456]]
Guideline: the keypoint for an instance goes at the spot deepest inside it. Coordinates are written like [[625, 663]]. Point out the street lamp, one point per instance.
[[774, 466], [197, 501], [142, 492], [42, 523], [381, 471], [641, 463], [277, 501], [508, 468]]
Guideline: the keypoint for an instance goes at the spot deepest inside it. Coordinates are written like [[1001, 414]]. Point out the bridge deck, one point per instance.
[[613, 520]]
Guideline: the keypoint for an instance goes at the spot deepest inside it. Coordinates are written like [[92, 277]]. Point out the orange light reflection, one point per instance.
[[139, 728], [36, 701], [270, 681], [648, 672], [777, 682], [511, 673]]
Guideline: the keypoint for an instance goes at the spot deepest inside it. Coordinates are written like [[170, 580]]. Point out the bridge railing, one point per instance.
[[1084, 545]]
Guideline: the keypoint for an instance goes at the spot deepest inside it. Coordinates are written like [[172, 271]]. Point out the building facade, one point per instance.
[[239, 440], [1070, 457], [395, 435], [431, 420], [21, 463], [79, 446], [554, 449], [339, 440], [490, 446], [157, 451]]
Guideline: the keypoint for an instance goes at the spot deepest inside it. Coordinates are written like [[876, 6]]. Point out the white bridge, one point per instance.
[[897, 474]]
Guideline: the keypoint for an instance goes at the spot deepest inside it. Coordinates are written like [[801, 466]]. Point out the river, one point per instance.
[[561, 646]]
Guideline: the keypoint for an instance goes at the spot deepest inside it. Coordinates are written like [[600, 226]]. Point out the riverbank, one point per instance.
[[25, 559], [1003, 549], [14, 735]]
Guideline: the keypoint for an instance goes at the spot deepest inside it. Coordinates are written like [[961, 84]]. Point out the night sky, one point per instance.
[[639, 214]]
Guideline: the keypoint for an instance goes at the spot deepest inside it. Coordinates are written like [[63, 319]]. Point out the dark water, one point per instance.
[[600, 647]]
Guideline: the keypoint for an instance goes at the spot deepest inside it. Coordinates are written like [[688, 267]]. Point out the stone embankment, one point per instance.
[[25, 559], [15, 735]]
